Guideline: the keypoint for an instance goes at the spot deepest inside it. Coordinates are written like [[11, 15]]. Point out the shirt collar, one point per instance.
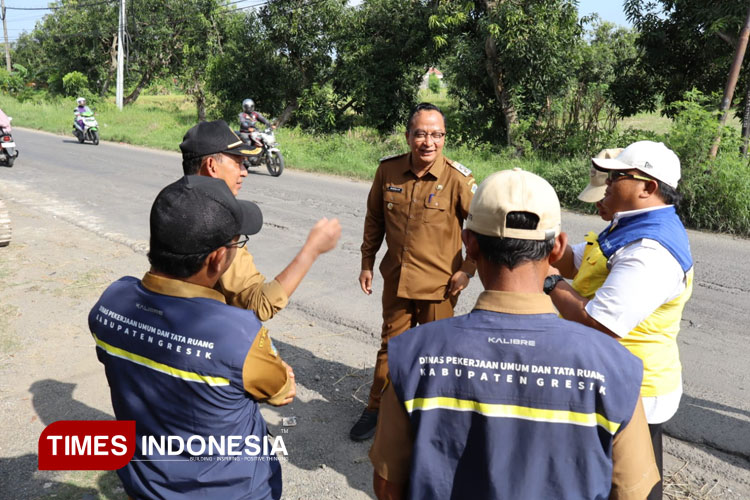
[[179, 288], [515, 302], [630, 213], [435, 170]]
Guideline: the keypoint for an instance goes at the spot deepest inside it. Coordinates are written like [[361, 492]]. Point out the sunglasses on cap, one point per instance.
[[616, 175]]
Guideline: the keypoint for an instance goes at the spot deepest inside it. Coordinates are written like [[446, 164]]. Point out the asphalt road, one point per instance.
[[109, 188]]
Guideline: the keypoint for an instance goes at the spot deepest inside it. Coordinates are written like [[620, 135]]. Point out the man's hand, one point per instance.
[[292, 386], [365, 281], [323, 236], [458, 282]]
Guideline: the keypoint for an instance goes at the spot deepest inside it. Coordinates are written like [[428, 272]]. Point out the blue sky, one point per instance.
[[20, 20], [609, 10]]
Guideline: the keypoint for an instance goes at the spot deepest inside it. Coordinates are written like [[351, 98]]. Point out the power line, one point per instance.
[[235, 2]]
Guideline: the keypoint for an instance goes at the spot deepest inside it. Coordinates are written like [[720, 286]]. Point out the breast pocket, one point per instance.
[[394, 200], [435, 210]]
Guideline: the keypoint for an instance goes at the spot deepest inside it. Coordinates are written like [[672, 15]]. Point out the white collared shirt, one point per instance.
[[643, 276]]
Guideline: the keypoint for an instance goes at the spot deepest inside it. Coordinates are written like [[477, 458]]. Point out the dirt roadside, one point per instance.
[[53, 272]]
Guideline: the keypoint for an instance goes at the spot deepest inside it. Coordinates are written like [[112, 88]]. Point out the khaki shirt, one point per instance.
[[421, 220], [634, 470], [243, 286], [264, 375]]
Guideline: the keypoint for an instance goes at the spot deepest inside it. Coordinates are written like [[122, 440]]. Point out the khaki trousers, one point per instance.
[[400, 315]]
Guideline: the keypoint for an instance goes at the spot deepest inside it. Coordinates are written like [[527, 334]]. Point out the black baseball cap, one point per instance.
[[198, 214], [209, 138]]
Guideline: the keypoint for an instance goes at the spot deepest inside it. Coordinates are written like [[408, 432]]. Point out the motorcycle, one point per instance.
[[90, 129], [8, 151], [264, 150]]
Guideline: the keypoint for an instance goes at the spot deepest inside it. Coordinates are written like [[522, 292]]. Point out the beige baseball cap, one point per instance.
[[651, 158], [598, 179], [514, 191]]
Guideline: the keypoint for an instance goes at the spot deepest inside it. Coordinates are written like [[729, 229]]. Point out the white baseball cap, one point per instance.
[[598, 179], [651, 158], [514, 191]]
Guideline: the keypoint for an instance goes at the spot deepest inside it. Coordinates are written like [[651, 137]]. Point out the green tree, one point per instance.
[[174, 38], [506, 58], [433, 83], [383, 54], [277, 55], [76, 84], [582, 119], [159, 33], [70, 39], [684, 44], [202, 41], [248, 67]]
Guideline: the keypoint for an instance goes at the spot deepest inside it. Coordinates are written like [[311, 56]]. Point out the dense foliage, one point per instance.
[[683, 45], [521, 73]]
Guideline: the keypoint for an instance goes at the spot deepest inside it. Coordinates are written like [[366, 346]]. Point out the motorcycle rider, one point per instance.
[[4, 122], [82, 108], [249, 119]]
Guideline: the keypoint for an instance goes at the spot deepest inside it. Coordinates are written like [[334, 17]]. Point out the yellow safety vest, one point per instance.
[[654, 340]]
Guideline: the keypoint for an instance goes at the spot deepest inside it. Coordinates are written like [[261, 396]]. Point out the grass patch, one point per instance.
[[8, 342], [154, 121], [654, 122]]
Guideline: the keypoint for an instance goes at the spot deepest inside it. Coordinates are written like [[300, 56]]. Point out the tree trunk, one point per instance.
[[746, 122], [200, 101], [142, 84], [286, 115], [112, 67], [734, 73], [340, 111], [201, 105], [510, 116]]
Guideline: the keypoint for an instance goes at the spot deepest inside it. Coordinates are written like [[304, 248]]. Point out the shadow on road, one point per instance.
[[19, 477], [321, 436], [716, 425]]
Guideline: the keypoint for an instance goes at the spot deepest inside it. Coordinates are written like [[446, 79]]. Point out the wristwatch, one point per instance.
[[550, 282]]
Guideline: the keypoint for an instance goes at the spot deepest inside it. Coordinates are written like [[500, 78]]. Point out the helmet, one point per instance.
[[81, 101], [248, 105]]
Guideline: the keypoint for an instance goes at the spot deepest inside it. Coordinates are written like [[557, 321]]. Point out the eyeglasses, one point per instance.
[[238, 161], [616, 175], [436, 136], [239, 243]]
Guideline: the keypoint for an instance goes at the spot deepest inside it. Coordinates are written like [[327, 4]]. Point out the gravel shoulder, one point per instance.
[[51, 274]]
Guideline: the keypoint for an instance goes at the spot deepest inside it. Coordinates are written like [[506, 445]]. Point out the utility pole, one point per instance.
[[734, 73], [5, 31], [120, 54]]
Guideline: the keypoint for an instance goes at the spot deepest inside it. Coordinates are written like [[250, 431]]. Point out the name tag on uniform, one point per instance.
[[395, 189]]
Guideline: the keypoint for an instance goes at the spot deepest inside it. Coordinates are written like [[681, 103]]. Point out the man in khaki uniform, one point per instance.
[[212, 149], [418, 202], [463, 416]]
